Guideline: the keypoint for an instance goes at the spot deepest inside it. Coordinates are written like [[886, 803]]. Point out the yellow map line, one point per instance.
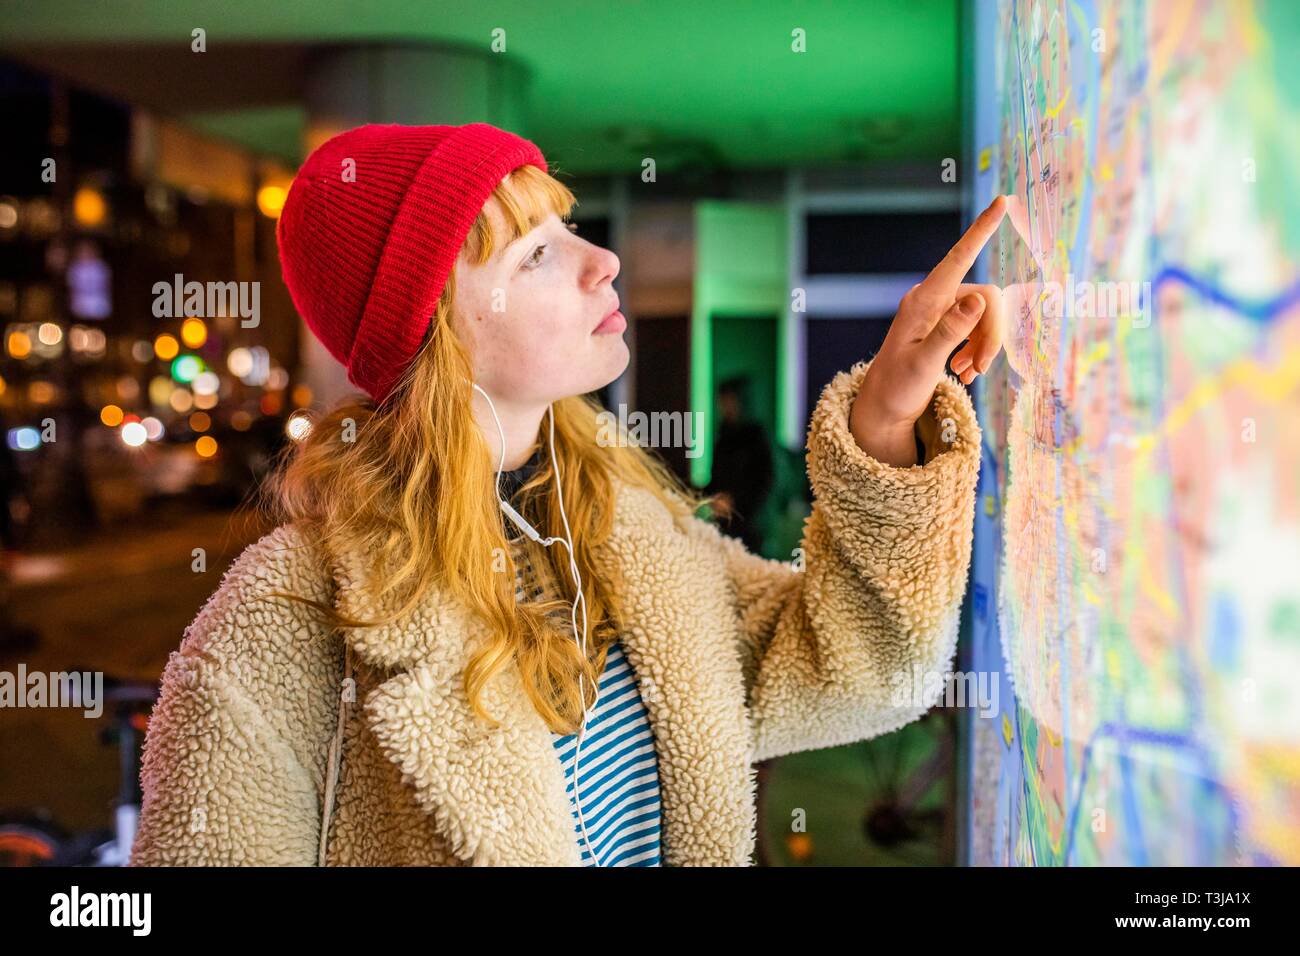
[[1246, 17], [1178, 14], [1268, 386], [1055, 111], [1271, 386]]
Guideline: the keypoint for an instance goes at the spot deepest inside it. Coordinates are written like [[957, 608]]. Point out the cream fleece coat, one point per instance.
[[739, 659]]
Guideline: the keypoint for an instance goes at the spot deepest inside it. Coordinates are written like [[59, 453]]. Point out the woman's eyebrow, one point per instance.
[[504, 250], [514, 242]]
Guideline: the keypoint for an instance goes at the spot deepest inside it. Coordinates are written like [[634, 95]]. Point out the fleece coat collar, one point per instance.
[[692, 694]]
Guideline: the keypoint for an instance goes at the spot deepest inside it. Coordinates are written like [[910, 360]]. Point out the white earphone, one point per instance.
[[532, 533]]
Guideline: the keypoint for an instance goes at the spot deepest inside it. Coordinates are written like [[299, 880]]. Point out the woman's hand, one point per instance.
[[935, 316]]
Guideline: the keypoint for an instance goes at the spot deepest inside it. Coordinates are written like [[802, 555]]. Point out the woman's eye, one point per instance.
[[535, 258]]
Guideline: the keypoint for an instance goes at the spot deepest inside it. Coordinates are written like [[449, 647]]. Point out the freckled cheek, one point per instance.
[[543, 352], [548, 326], [518, 346]]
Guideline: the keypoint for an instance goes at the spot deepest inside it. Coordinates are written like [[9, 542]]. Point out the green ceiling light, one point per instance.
[[676, 71]]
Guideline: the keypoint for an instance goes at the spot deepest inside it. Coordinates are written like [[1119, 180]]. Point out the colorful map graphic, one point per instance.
[[1137, 568]]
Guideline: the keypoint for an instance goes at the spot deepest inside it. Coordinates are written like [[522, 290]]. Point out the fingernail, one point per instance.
[[971, 304], [982, 366], [961, 365]]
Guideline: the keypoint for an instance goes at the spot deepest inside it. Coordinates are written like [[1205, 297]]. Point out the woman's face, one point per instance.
[[529, 315]]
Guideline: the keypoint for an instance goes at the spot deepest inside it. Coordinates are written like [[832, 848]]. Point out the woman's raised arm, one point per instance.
[[835, 641]]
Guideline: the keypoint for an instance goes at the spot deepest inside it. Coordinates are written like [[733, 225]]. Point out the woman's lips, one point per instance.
[[614, 322]]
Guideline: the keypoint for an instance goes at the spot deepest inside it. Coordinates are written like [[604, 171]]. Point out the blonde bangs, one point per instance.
[[526, 198]]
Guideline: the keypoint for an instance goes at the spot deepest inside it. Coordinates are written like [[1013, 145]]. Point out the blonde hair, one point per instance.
[[416, 486]]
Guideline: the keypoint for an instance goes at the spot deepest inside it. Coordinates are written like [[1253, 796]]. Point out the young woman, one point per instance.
[[473, 596]]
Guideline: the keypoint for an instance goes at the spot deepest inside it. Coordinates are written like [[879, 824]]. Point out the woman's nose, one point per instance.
[[604, 265]]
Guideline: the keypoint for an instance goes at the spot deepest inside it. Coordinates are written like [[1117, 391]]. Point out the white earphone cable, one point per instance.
[[580, 636]]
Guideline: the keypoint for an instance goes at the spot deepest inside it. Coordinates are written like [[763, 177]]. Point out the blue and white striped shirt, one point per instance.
[[617, 773], [618, 770]]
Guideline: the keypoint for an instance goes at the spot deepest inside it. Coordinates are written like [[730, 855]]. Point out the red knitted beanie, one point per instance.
[[372, 227]]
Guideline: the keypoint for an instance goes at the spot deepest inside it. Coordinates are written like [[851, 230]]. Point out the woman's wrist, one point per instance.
[[891, 445], [887, 439]]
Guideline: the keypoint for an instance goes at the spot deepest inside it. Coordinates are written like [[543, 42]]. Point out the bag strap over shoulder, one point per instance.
[[335, 757]]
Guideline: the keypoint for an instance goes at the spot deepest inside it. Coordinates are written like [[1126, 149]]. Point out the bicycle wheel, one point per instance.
[[29, 840]]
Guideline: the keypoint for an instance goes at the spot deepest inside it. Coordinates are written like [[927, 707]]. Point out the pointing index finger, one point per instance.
[[949, 273]]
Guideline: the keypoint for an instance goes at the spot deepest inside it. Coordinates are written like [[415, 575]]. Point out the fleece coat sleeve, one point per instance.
[[222, 783], [851, 639]]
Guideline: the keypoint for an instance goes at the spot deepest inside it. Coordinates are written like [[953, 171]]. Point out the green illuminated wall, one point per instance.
[[740, 270]]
